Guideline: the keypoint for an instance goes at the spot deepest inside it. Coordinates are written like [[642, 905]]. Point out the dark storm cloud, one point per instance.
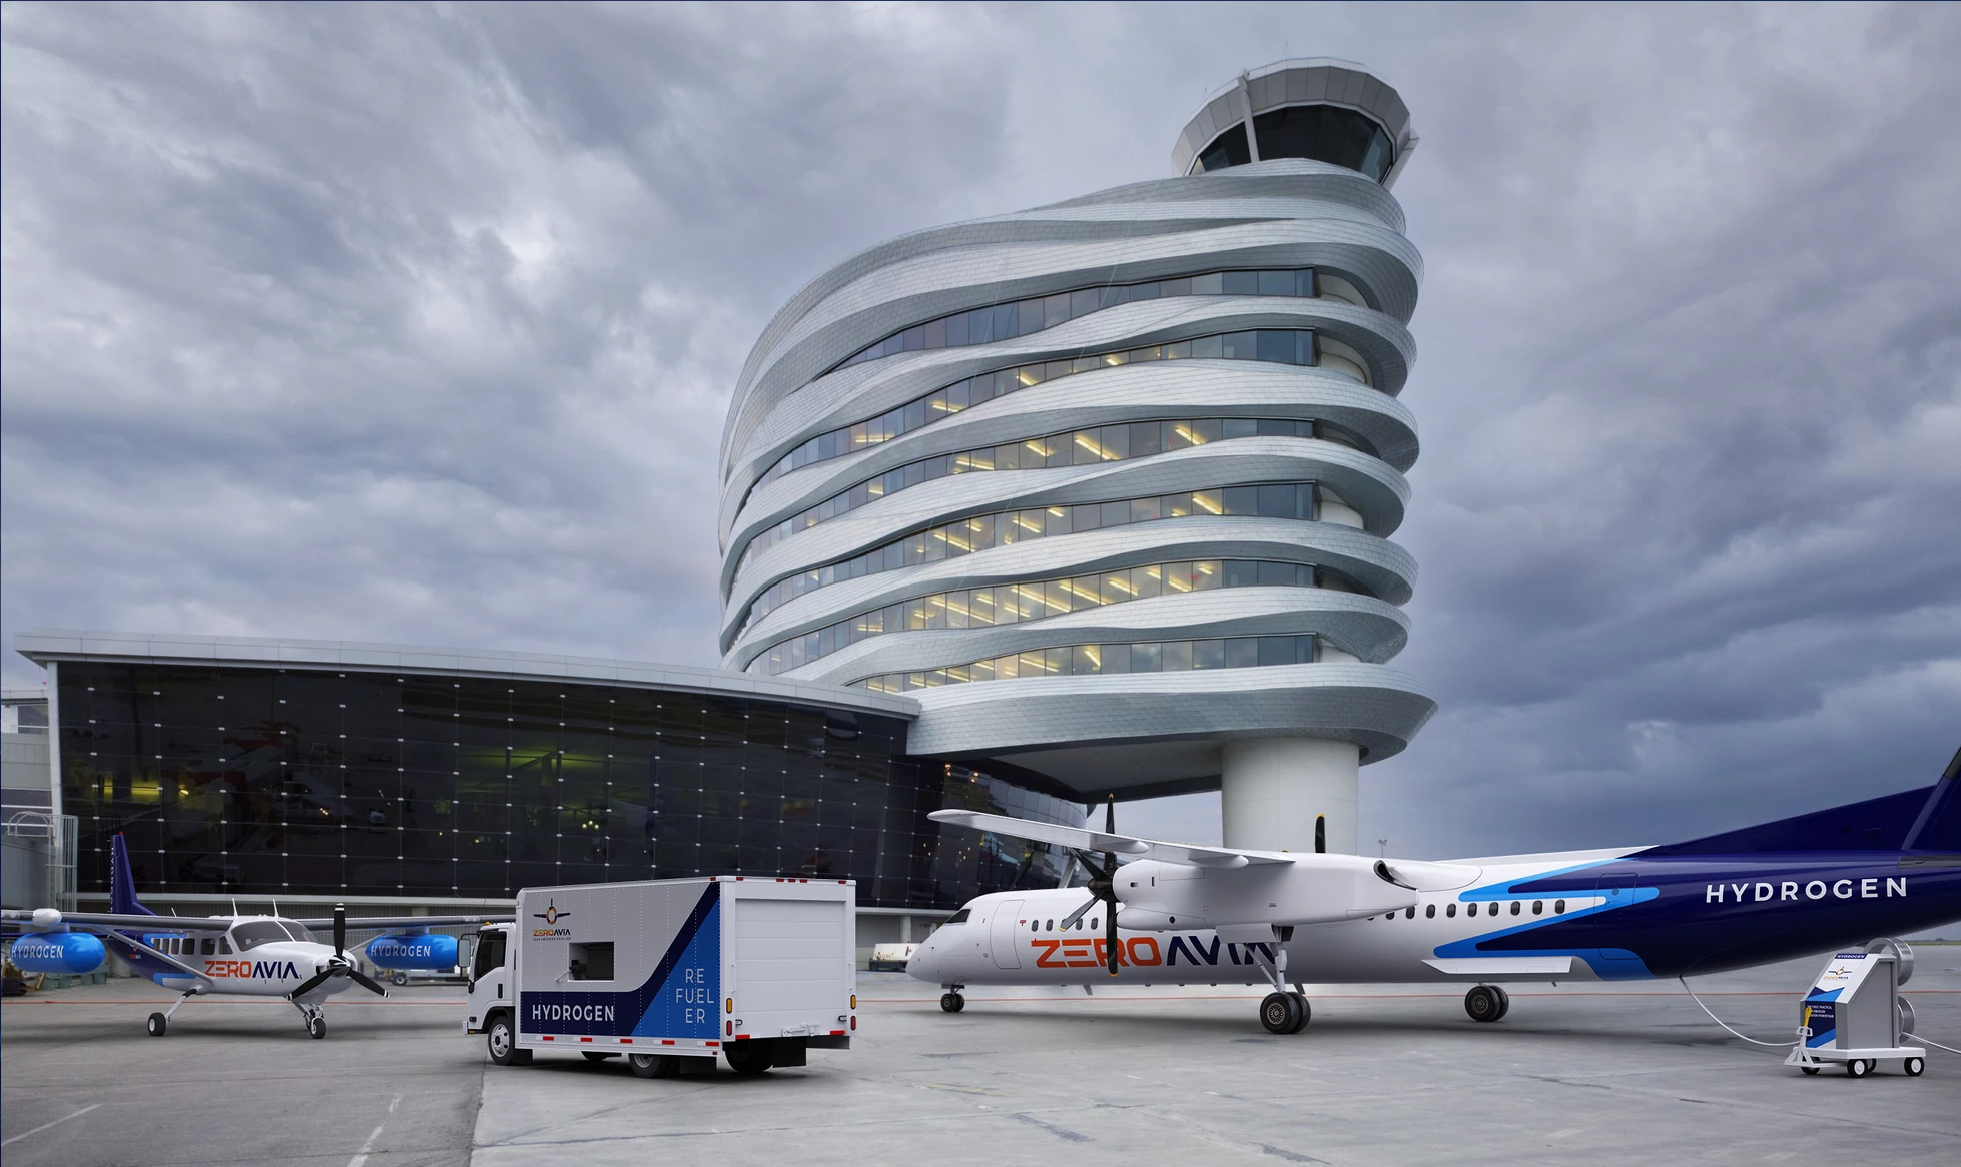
[[405, 323]]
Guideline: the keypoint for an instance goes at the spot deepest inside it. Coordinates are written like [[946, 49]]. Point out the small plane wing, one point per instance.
[[1083, 839], [407, 921], [45, 918]]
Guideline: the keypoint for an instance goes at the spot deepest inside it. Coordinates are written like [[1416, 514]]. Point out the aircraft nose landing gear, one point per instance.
[[1487, 1003], [314, 1018], [1284, 1013], [951, 1001]]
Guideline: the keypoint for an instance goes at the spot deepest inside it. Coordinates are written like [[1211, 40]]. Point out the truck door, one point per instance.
[[1003, 931]]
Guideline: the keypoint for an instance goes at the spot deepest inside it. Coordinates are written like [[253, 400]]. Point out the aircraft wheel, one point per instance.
[[593, 1055], [952, 1002], [316, 1027], [1305, 1010], [156, 1025], [652, 1065], [1811, 1071], [1504, 1002], [1858, 1068], [1915, 1067], [747, 1057], [1279, 1013], [1485, 1003]]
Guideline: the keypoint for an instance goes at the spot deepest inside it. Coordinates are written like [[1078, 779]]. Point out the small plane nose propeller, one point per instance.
[[338, 965], [1102, 888]]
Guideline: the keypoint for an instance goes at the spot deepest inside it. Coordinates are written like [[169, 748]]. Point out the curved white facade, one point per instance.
[[1153, 521]]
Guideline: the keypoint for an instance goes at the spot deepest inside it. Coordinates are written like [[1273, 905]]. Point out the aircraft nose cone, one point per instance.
[[920, 965]]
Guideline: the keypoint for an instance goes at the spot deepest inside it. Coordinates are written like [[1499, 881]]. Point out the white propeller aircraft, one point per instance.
[[226, 956], [1218, 915]]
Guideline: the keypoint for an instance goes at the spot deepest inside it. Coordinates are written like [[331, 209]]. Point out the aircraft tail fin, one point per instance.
[[1938, 828], [122, 884]]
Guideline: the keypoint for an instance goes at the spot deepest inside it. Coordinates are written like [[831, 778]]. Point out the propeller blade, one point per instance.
[[1070, 920], [1110, 943], [340, 929], [1110, 816], [315, 981], [365, 981]]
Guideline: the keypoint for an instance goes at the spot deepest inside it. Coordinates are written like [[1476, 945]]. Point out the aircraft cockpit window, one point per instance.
[[251, 935], [224, 946], [959, 917], [296, 930], [1559, 907], [1450, 911], [1429, 911]]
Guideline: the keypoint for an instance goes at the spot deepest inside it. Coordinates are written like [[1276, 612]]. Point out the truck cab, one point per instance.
[[490, 978]]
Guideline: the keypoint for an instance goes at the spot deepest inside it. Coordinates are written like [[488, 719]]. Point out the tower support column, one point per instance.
[[1273, 789]]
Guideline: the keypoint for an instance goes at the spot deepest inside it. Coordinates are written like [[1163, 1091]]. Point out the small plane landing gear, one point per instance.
[[314, 1018], [1284, 1013], [160, 1021], [1487, 1003], [951, 1001], [157, 1023]]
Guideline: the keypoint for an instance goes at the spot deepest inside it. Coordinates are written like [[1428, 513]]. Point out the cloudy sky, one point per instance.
[[418, 324]]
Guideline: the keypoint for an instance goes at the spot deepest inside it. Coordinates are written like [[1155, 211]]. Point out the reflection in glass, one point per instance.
[[1085, 660]]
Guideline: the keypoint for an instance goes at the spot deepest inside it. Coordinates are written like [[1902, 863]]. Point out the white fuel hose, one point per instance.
[[1719, 1021], [1935, 1044]]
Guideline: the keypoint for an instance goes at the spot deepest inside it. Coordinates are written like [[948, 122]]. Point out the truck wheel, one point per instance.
[[502, 1040], [399, 979], [747, 1057], [952, 1002], [1484, 1004], [652, 1065], [156, 1025], [593, 1055]]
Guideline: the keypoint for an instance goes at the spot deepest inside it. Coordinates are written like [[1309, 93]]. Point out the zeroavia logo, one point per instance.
[[264, 970], [551, 916]]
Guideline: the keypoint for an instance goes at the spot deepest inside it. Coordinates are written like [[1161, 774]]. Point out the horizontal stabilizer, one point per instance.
[[1082, 839]]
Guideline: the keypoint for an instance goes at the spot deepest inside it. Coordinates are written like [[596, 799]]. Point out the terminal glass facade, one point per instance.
[[261, 782]]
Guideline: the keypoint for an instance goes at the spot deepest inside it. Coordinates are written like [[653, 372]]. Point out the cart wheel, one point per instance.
[[1916, 1067], [1812, 1070], [952, 1002], [1858, 1067], [156, 1025]]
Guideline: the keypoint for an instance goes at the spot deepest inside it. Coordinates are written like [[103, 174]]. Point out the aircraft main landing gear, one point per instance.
[[1487, 1003], [1284, 1013], [951, 1001], [160, 1021]]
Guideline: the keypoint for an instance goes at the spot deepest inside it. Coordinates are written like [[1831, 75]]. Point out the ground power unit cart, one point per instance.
[[668, 973]]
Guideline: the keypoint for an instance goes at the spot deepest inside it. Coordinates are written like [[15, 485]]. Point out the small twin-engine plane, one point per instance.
[[1216, 915], [235, 956]]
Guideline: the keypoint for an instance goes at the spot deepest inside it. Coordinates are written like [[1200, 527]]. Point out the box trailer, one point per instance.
[[669, 973]]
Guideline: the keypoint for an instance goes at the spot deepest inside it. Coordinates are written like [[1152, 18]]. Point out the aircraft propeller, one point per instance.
[[1102, 888], [338, 965]]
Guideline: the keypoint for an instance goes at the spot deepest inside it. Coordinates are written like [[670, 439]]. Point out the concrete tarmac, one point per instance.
[[1390, 1075]]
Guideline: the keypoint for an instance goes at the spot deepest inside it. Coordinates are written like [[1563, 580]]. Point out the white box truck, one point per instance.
[[671, 972]]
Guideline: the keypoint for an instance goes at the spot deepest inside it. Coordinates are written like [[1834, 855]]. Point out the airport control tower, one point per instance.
[[1108, 486]]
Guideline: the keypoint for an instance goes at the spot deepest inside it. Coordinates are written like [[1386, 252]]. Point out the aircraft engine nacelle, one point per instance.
[[1150, 920], [57, 953], [425, 952]]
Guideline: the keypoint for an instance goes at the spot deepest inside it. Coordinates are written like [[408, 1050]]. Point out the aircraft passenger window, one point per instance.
[[1429, 911], [1515, 907], [1538, 906], [1051, 925], [1450, 910], [1559, 907], [207, 947], [1409, 913]]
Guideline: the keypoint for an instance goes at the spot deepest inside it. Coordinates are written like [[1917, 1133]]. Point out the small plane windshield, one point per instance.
[[250, 935], [296, 929]]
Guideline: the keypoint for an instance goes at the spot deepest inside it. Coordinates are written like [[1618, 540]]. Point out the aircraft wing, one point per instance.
[[44, 918], [408, 921], [1084, 839]]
